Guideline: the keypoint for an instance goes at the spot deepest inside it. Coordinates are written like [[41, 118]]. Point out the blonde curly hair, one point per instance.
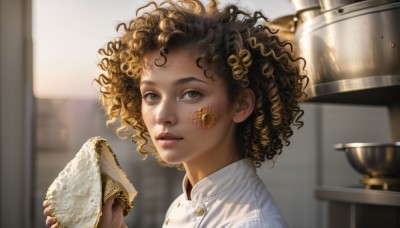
[[235, 45]]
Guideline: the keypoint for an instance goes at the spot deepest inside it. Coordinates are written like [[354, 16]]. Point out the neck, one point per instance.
[[206, 165]]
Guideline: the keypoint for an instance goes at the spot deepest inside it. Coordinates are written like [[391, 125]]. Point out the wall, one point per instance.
[[312, 161], [16, 112], [295, 174]]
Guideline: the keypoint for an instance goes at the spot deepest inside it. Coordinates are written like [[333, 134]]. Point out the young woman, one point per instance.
[[213, 92]]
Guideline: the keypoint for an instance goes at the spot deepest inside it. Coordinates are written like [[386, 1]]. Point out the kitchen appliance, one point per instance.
[[327, 5], [304, 5], [379, 163], [286, 26], [352, 53], [305, 10]]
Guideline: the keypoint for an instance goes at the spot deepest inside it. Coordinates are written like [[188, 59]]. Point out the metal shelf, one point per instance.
[[358, 195]]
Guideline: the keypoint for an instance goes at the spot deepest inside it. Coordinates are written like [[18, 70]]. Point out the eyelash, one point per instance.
[[152, 97], [197, 93], [146, 96]]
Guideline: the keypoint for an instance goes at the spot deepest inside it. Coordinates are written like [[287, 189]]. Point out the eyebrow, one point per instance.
[[178, 82]]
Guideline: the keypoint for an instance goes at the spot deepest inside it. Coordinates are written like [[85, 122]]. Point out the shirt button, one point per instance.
[[200, 211], [166, 221], [179, 203]]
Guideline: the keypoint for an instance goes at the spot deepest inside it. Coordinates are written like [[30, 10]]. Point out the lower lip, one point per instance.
[[167, 143]]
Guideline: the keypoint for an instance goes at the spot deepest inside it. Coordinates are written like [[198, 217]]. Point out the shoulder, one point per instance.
[[262, 223], [267, 212], [253, 206]]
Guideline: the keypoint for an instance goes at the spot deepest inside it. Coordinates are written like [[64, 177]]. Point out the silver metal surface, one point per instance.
[[307, 15], [358, 195], [301, 5], [286, 26], [342, 146], [394, 121], [372, 159], [356, 49], [333, 4], [352, 84]]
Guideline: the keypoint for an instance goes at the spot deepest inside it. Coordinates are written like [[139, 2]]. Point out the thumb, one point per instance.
[[118, 212]]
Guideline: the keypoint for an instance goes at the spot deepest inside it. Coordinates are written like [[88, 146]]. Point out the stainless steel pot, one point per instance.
[[356, 48], [372, 159], [327, 5], [286, 26], [302, 5]]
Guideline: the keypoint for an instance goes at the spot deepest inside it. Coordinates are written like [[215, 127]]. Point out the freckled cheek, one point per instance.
[[148, 117], [205, 117]]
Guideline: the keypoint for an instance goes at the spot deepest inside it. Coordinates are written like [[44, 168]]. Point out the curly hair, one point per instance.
[[240, 47]]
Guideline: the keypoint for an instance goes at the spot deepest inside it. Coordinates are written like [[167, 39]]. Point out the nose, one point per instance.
[[166, 113]]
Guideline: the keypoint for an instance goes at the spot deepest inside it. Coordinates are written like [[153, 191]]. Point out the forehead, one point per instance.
[[155, 57], [177, 63], [180, 66]]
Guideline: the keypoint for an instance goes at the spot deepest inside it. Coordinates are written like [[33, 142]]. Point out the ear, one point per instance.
[[244, 106]]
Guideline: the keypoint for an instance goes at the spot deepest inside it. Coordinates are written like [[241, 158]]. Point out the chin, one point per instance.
[[171, 159]]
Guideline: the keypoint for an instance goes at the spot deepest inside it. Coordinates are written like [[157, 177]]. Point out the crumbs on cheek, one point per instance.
[[205, 117]]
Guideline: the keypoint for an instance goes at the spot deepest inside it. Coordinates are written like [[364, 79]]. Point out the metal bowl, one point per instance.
[[373, 159]]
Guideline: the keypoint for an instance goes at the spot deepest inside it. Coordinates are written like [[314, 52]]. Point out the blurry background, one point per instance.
[[49, 108]]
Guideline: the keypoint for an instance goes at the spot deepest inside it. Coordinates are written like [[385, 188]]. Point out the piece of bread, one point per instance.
[[90, 179]]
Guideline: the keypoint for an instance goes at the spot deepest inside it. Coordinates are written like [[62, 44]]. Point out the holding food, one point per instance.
[[91, 179]]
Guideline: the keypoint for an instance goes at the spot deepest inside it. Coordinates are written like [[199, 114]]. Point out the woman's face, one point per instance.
[[187, 114]]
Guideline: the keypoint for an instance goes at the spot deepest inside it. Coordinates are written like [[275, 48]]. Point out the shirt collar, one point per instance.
[[221, 179]]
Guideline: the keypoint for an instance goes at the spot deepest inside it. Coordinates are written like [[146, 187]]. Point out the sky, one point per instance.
[[68, 33]]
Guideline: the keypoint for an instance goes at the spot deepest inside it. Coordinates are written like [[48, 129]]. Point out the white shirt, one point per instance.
[[234, 196]]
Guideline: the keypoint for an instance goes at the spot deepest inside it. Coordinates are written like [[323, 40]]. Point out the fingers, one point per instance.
[[118, 212], [107, 207], [47, 211], [51, 222], [112, 214], [118, 206], [45, 203], [114, 206]]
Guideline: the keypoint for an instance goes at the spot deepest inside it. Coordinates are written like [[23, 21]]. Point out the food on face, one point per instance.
[[205, 117]]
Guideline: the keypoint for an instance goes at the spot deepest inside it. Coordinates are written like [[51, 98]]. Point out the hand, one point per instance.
[[50, 221], [112, 215]]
